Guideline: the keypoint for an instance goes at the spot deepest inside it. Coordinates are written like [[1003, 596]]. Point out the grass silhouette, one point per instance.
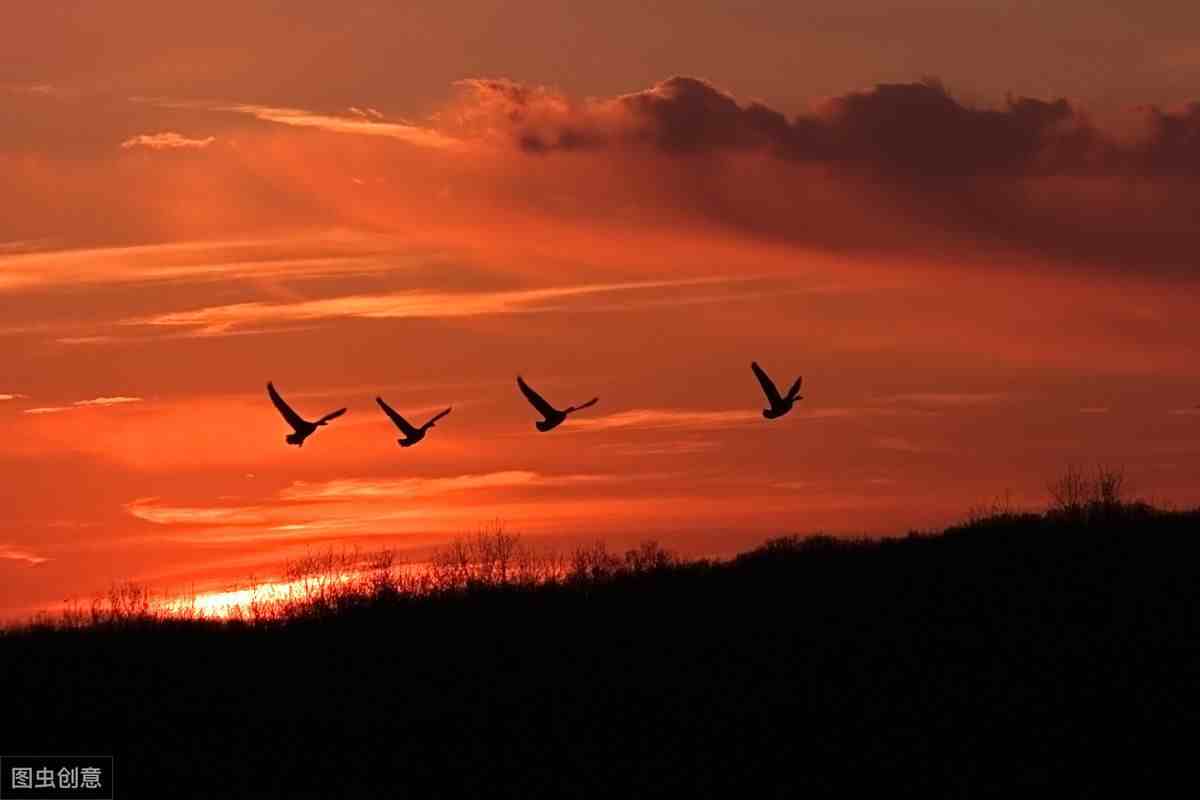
[[1017, 652]]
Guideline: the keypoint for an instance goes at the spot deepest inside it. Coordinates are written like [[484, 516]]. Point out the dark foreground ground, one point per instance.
[[1017, 654]]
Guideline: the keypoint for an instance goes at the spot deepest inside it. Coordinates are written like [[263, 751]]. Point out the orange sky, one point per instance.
[[353, 199]]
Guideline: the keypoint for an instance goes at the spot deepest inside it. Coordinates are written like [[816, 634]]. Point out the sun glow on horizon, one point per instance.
[[260, 598]]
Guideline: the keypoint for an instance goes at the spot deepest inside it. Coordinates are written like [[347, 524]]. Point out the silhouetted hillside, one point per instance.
[[1016, 653]]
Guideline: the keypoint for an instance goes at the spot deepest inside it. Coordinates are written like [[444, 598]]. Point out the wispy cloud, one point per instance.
[[151, 510], [11, 553], [366, 122], [334, 253], [1186, 412], [677, 447], [75, 340], [664, 418], [901, 444], [365, 506], [1094, 410], [302, 497], [12, 396], [94, 402], [107, 401], [167, 140], [365, 113], [682, 419], [367, 489], [43, 89], [949, 399], [24, 246], [854, 412], [219, 320], [263, 523]]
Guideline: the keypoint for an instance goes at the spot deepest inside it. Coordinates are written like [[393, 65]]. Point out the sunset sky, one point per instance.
[[972, 228]]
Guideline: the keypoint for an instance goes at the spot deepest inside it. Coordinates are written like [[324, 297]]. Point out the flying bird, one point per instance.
[[411, 435], [553, 417], [779, 405], [302, 427]]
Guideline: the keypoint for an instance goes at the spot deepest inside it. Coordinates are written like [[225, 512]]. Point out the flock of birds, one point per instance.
[[552, 417]]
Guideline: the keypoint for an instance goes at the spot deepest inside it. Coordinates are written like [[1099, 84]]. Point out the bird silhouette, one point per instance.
[[779, 405], [553, 417], [302, 427], [411, 435]]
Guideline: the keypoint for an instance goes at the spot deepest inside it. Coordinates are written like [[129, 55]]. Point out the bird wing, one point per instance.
[[331, 415], [795, 390], [767, 384], [293, 419], [536, 400], [588, 404], [401, 422], [435, 418]]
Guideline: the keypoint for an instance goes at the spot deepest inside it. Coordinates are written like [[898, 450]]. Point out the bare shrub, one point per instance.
[[1000, 507], [532, 568], [648, 556], [593, 563], [492, 557], [1109, 488], [124, 604], [381, 572], [450, 566], [1074, 495], [1069, 493], [495, 555]]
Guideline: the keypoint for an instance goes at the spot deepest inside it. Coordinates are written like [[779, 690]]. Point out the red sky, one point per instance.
[[971, 227]]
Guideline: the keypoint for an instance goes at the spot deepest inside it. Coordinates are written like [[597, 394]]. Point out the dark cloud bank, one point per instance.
[[907, 128], [1033, 174]]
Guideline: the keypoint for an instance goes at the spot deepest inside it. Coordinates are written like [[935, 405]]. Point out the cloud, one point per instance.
[[675, 447], [917, 129], [168, 140], [1094, 410], [363, 121], [24, 246], [297, 257], [100, 402], [391, 489], [851, 412], [11, 397], [107, 401], [949, 399], [900, 168], [682, 419], [900, 444], [365, 113], [220, 320], [912, 127], [11, 553], [664, 419], [361, 506], [149, 509], [77, 340]]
